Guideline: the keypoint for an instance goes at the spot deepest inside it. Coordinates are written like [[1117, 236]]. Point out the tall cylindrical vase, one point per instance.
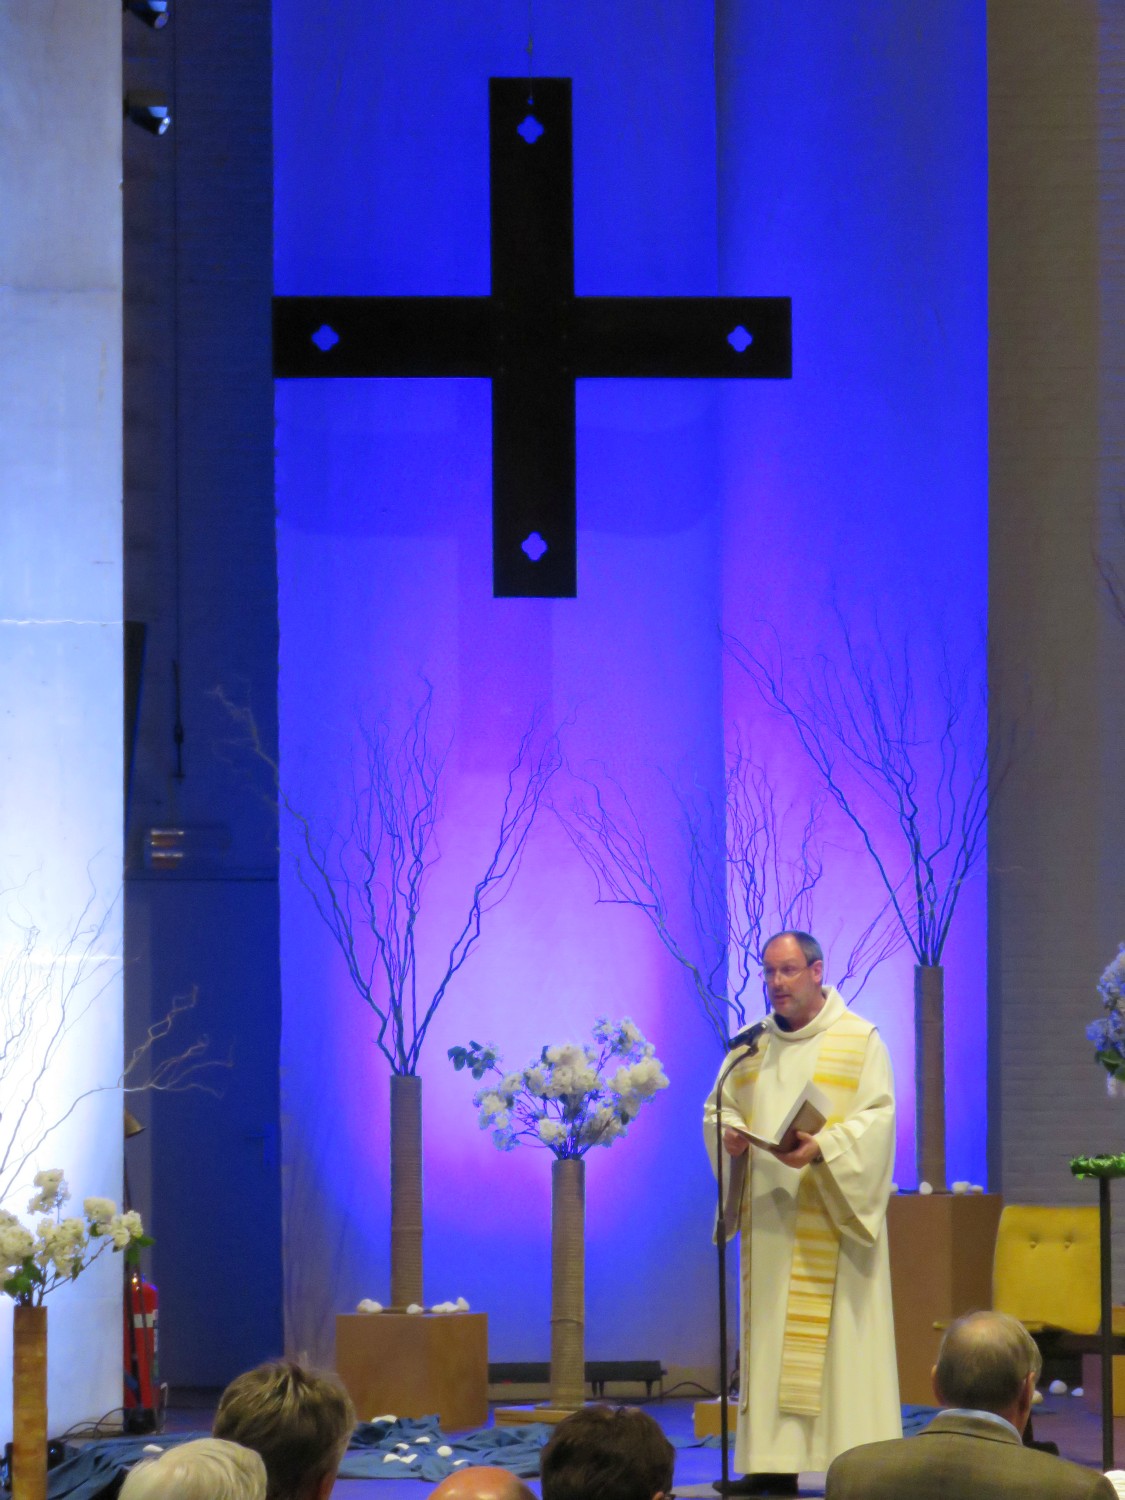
[[568, 1283], [406, 1189], [929, 1074], [29, 1403]]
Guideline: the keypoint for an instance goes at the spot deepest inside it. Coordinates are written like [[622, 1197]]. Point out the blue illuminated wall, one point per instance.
[[836, 161]]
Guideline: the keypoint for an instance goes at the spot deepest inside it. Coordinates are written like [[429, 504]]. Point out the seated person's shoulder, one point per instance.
[[869, 1457], [1051, 1475]]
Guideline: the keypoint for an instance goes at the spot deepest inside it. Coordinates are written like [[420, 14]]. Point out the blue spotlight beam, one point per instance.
[[532, 337]]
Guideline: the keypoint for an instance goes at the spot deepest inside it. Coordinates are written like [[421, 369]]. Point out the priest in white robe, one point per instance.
[[818, 1368]]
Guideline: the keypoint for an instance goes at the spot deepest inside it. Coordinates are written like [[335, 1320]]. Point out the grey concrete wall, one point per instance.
[[201, 578], [60, 642], [1057, 875]]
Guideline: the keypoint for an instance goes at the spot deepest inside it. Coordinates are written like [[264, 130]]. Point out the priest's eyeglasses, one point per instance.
[[768, 973]]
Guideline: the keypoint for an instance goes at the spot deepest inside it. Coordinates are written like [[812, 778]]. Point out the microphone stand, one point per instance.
[[748, 1045]]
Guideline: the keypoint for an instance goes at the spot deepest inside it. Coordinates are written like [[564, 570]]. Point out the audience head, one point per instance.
[[299, 1421], [606, 1453], [988, 1362], [481, 1483], [206, 1469]]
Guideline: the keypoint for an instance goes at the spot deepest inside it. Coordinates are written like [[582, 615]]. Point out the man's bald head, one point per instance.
[[481, 1483], [984, 1363]]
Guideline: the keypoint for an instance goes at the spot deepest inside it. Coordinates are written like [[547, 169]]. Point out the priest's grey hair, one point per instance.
[[206, 1469], [814, 953], [984, 1359]]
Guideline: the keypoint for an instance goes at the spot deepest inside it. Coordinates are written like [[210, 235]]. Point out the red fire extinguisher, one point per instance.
[[142, 1381]]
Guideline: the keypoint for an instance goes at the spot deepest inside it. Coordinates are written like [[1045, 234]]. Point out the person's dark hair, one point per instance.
[[814, 953], [299, 1421], [607, 1453], [984, 1359]]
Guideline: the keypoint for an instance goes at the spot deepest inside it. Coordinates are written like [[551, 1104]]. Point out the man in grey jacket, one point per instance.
[[984, 1380]]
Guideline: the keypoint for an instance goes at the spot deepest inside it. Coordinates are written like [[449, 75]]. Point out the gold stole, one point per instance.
[[816, 1249]]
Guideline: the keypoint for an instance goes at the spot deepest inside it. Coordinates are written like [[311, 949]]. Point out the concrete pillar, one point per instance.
[[1056, 912], [60, 636]]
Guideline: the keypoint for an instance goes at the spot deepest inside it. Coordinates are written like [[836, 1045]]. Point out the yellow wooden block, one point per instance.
[[520, 1416], [416, 1365], [1092, 1375], [709, 1419], [941, 1249]]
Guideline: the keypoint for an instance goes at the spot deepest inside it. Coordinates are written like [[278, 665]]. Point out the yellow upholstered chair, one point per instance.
[[1046, 1270]]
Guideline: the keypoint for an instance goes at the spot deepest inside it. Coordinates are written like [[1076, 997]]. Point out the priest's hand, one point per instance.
[[735, 1142], [806, 1153]]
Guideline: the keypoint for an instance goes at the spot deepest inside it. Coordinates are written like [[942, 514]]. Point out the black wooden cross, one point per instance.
[[533, 338]]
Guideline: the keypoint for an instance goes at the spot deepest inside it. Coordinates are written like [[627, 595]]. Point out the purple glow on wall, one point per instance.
[[696, 505]]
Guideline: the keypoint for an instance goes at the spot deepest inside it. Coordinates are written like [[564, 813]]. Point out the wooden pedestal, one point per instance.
[[941, 1250], [709, 1419], [416, 1365], [1092, 1373], [520, 1416], [1092, 1383]]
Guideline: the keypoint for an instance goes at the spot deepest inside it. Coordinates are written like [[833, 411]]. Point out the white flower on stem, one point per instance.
[[63, 1245], [640, 1079], [16, 1244], [99, 1211], [568, 1055], [119, 1231], [589, 1110], [492, 1106], [52, 1193], [568, 1080], [602, 1128]]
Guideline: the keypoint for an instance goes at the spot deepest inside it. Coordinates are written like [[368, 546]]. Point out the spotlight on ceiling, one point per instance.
[[153, 13], [148, 109]]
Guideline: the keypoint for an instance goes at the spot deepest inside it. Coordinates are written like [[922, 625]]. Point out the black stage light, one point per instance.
[[154, 13], [149, 109]]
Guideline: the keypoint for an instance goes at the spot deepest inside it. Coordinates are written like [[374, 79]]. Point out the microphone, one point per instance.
[[748, 1037]]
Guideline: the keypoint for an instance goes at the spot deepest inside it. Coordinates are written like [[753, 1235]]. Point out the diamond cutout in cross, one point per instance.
[[530, 128], [325, 338], [534, 546]]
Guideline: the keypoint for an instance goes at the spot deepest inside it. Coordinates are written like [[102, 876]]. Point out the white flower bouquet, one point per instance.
[[571, 1097], [1108, 1033], [34, 1263]]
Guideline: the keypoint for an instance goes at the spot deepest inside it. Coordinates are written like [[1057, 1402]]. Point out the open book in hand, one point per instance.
[[808, 1113]]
